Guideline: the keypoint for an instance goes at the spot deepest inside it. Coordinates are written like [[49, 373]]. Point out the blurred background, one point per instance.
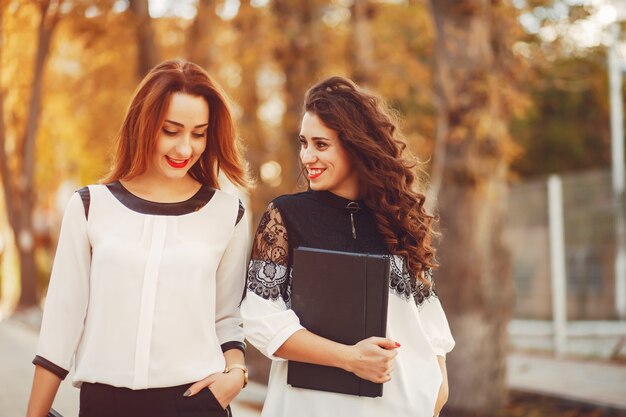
[[514, 107]]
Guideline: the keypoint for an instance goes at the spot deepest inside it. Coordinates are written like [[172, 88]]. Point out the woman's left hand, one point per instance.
[[224, 387]]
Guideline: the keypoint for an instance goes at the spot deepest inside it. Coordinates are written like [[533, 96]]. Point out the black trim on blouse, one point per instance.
[[242, 211], [46, 364], [138, 204], [234, 345], [85, 195]]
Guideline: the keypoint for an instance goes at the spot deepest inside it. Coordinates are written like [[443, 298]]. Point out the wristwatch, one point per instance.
[[239, 366]]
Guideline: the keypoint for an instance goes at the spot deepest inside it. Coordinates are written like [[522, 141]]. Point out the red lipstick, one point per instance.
[[313, 176], [178, 165]]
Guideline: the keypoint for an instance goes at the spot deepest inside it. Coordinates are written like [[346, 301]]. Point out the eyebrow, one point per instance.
[[315, 138], [182, 125]]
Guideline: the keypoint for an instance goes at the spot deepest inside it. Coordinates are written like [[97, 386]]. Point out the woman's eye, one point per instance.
[[169, 132], [199, 135], [302, 142], [322, 145]]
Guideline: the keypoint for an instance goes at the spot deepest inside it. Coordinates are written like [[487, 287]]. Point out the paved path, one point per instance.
[[601, 383], [17, 348]]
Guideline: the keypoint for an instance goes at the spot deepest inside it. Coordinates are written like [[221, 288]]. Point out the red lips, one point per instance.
[[313, 176], [175, 164]]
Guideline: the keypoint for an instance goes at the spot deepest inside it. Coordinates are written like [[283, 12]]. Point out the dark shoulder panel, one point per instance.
[[86, 197], [242, 211]]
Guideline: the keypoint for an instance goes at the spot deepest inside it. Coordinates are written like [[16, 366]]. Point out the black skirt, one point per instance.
[[101, 400]]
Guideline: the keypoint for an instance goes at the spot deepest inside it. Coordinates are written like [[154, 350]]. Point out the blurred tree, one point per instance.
[[199, 45], [296, 54], [250, 49], [568, 125], [362, 48], [404, 73], [479, 96], [90, 80], [147, 53], [18, 179], [3, 169], [72, 136]]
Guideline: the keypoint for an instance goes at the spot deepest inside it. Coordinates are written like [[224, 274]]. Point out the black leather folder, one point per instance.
[[341, 296]]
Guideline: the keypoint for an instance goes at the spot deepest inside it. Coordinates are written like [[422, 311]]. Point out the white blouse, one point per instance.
[[415, 317], [144, 294]]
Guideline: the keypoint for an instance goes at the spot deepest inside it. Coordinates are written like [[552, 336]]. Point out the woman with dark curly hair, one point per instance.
[[363, 198]]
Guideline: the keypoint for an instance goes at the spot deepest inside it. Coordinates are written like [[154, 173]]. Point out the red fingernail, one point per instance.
[[397, 344]]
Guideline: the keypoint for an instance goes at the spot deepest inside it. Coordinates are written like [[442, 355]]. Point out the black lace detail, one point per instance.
[[270, 281], [269, 274], [406, 286]]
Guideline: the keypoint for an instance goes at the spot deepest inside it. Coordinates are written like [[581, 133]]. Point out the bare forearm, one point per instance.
[[442, 398], [304, 346], [234, 356], [442, 366], [43, 391], [371, 358]]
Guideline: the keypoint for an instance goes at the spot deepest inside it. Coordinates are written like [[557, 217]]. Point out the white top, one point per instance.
[[422, 331], [143, 300], [415, 320]]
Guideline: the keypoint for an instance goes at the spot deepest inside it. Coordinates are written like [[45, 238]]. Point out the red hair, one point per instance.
[[136, 140]]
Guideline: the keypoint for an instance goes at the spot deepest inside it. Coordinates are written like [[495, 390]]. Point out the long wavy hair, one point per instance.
[[136, 140], [389, 180]]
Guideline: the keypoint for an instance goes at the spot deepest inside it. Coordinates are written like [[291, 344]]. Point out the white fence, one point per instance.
[[563, 239]]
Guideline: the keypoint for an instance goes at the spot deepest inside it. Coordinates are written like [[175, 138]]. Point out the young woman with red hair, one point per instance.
[[364, 198], [146, 283]]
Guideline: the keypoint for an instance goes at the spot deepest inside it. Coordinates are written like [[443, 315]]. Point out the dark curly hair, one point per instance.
[[388, 175]]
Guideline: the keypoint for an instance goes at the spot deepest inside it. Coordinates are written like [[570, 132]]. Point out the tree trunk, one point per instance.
[[250, 52], [362, 50], [147, 53], [297, 58], [475, 281], [4, 169], [29, 272], [199, 45], [19, 186], [24, 233]]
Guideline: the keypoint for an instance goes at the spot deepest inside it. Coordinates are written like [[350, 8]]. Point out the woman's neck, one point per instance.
[[162, 191]]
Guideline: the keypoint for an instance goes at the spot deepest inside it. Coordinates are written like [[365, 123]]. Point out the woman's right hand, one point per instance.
[[372, 359]]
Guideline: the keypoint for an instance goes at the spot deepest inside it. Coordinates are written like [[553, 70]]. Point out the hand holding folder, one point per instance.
[[341, 296]]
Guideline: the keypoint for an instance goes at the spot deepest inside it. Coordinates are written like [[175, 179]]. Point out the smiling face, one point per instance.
[[326, 160], [182, 138]]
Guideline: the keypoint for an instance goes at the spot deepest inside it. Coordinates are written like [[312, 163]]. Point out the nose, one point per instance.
[[308, 155], [183, 146]]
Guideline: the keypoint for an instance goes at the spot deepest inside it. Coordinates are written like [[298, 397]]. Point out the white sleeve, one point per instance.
[[68, 293], [268, 323], [267, 319], [231, 276], [436, 326]]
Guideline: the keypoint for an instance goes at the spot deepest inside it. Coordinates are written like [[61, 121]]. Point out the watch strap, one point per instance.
[[239, 366]]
